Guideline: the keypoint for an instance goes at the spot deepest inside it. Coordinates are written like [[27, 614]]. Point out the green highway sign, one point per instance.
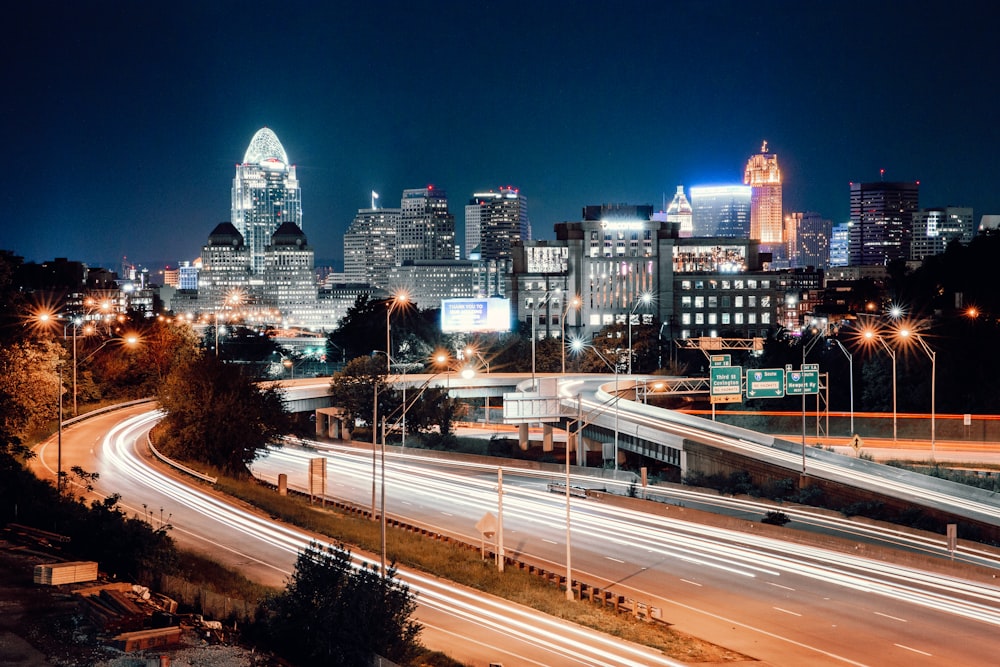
[[726, 384], [721, 360], [765, 383], [802, 382]]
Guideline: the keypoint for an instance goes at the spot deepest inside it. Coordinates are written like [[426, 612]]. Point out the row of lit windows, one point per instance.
[[726, 318], [726, 301], [738, 283]]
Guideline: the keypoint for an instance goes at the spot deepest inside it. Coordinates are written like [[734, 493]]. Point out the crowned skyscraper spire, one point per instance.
[[265, 194], [764, 178]]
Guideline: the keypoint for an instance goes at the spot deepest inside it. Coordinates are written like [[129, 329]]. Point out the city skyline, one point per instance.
[[129, 119]]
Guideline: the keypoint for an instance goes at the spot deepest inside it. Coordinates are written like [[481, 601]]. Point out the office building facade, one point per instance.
[[722, 210], [370, 246], [764, 178], [881, 221], [426, 229], [265, 195], [935, 228], [494, 221]]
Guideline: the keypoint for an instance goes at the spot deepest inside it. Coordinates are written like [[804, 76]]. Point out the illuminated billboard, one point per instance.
[[475, 315]]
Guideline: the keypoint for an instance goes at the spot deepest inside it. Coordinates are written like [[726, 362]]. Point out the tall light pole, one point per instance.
[[905, 334], [573, 303], [579, 345], [643, 300], [873, 336], [850, 366], [398, 300], [534, 336]]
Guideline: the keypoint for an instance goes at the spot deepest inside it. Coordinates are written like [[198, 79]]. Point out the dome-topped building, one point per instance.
[[265, 148], [265, 194]]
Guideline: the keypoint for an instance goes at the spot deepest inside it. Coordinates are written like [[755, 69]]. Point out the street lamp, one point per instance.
[[573, 303], [578, 346], [644, 300], [850, 367], [871, 336], [534, 336], [906, 334], [399, 300]]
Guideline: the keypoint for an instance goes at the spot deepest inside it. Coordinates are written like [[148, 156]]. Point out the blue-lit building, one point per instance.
[[722, 210]]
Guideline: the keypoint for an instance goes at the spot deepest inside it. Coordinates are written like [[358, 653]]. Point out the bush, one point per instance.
[[775, 518]]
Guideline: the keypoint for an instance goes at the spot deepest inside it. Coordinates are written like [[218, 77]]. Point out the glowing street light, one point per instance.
[[578, 346], [575, 304], [872, 337], [906, 334], [399, 300]]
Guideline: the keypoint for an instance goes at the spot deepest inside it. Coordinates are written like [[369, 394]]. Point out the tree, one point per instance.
[[216, 415], [332, 613], [353, 389]]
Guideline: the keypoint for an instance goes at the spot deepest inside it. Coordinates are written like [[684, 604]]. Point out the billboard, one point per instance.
[[475, 315]]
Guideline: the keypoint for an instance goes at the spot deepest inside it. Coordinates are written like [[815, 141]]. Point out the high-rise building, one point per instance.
[[935, 228], [680, 213], [426, 229], [807, 239], [289, 281], [265, 195], [881, 221], [764, 178], [722, 210], [494, 221], [225, 266], [370, 246], [839, 244]]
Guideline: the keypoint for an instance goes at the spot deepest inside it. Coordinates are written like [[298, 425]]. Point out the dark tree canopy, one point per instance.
[[217, 415], [335, 614]]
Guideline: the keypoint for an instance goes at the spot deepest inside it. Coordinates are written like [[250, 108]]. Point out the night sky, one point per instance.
[[123, 120]]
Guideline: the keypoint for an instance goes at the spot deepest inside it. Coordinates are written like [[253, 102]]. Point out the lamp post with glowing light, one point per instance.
[[872, 337], [644, 300], [579, 346], [398, 301], [850, 366], [534, 335], [573, 303], [906, 334]]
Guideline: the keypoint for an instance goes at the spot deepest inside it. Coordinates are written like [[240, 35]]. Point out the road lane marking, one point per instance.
[[549, 541], [895, 618], [693, 583], [915, 650], [447, 513], [785, 611], [771, 583], [614, 559]]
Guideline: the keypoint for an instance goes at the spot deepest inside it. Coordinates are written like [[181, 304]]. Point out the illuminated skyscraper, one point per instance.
[[722, 210], [680, 212], [881, 222], [494, 221], [764, 178], [265, 195], [370, 246], [426, 228]]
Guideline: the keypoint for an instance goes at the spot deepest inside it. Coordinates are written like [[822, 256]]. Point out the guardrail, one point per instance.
[[179, 466]]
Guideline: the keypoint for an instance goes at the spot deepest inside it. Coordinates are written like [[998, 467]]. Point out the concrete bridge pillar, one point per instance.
[[522, 437], [546, 437]]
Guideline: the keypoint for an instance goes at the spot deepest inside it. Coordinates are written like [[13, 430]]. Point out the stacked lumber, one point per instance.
[[57, 574]]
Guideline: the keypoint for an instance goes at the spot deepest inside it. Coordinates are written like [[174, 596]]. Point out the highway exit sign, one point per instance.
[[802, 382], [726, 384], [765, 383]]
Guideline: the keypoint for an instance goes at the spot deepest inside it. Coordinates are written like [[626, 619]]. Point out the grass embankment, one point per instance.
[[465, 566]]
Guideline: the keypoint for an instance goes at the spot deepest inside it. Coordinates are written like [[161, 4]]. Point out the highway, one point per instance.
[[778, 602], [468, 625]]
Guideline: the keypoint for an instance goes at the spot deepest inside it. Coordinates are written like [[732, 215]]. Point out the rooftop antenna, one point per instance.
[[881, 174], [374, 197]]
